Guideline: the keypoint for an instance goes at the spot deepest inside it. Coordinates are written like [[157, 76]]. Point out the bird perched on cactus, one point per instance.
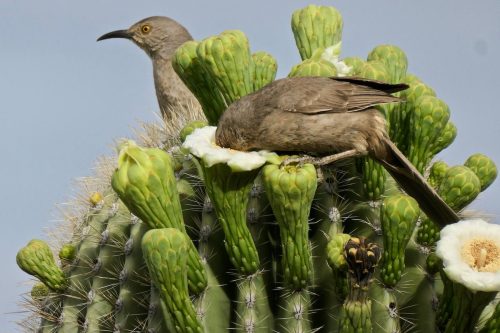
[[159, 37], [327, 115]]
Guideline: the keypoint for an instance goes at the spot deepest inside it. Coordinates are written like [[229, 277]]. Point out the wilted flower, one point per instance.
[[470, 251], [331, 54]]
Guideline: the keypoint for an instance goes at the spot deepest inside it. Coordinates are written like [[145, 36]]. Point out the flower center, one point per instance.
[[483, 255]]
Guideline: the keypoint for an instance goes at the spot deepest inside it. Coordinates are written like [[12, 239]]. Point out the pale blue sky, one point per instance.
[[64, 97]]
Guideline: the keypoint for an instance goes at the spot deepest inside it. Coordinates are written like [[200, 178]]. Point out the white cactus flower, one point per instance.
[[470, 251], [201, 143], [331, 54]]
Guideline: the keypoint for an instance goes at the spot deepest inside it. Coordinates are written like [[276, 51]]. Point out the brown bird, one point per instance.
[[324, 116], [159, 37]]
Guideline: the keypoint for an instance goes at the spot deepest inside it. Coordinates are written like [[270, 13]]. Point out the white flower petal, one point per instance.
[[201, 143], [450, 248], [331, 54]]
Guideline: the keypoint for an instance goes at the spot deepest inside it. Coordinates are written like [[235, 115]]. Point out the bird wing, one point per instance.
[[335, 95]]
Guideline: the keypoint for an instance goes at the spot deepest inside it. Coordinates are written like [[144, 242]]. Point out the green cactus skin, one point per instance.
[[131, 308], [484, 168], [436, 173], [106, 282], [420, 311], [445, 308], [313, 67], [294, 312], [291, 191], [492, 325], [253, 314], [398, 215], [166, 255], [467, 307], [145, 182], [228, 61], [265, 68], [213, 307], [262, 226], [427, 122], [37, 259], [210, 243], [394, 60], [191, 71], [458, 188], [385, 316], [316, 27], [159, 318], [49, 309], [329, 287], [82, 270]]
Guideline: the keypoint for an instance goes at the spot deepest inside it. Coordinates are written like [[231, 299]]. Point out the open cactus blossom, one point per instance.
[[201, 143], [470, 250]]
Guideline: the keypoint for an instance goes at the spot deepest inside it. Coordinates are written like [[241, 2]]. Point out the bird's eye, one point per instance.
[[146, 28]]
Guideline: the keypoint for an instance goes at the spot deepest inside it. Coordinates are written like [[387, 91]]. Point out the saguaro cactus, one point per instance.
[[198, 238]]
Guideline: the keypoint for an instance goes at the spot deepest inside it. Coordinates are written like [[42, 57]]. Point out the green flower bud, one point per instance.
[[265, 67], [190, 127], [394, 59], [67, 253], [484, 168], [191, 71], [228, 61], [166, 253], [398, 215], [316, 27], [37, 259], [145, 182], [291, 191], [437, 173]]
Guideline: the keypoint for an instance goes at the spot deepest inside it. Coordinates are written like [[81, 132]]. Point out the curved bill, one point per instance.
[[115, 34]]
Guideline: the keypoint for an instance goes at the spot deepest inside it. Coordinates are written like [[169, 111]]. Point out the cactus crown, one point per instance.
[[201, 239]]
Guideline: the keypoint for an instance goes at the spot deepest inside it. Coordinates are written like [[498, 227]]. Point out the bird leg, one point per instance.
[[318, 161]]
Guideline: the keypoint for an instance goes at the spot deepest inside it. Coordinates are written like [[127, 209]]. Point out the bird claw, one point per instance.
[[299, 161], [320, 161]]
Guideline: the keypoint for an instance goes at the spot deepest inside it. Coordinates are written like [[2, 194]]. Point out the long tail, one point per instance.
[[415, 185]]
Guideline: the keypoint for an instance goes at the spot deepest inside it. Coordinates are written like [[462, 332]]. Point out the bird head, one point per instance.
[[156, 35]]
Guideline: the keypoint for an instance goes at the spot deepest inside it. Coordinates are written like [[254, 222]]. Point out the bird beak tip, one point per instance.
[[115, 34]]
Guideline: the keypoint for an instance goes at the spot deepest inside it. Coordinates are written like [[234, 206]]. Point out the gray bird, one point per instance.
[[327, 116], [159, 37]]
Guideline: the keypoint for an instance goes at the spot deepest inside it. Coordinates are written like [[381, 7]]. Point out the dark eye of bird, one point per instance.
[[146, 28]]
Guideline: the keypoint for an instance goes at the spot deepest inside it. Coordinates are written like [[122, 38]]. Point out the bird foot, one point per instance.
[[319, 161]]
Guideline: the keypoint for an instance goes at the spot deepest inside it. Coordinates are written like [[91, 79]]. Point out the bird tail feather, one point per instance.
[[415, 185]]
